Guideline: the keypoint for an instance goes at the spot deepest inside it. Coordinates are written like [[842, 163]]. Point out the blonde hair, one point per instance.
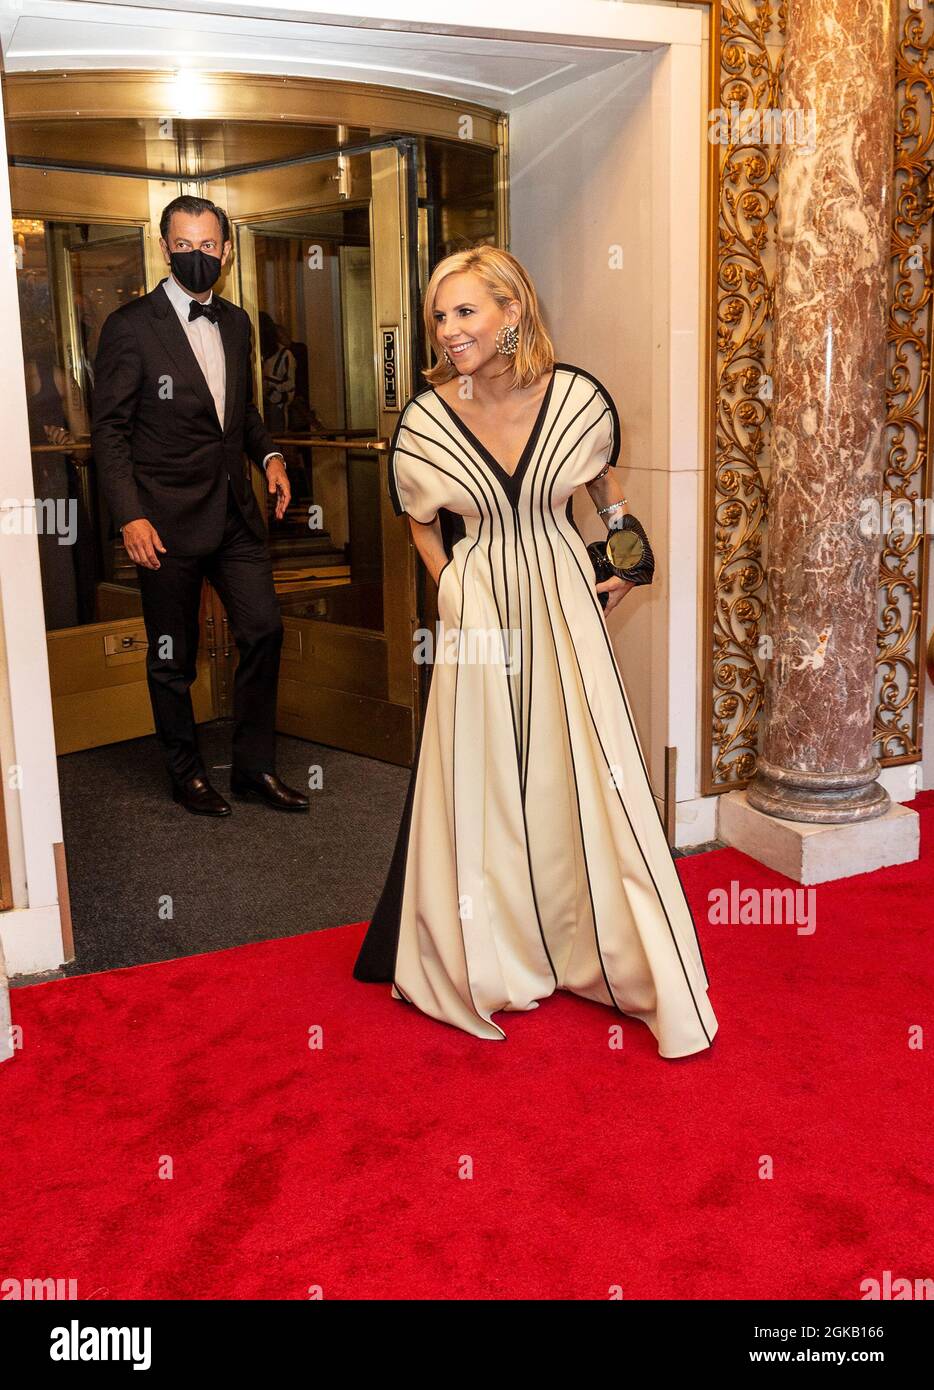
[[506, 279]]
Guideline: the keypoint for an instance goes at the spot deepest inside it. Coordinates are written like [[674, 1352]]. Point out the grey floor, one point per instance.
[[149, 881]]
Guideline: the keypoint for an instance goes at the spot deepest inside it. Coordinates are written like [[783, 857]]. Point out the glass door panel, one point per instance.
[[69, 277], [330, 318], [314, 309]]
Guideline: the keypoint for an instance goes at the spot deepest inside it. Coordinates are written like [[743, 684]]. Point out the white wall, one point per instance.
[[30, 934], [617, 160], [6, 1026]]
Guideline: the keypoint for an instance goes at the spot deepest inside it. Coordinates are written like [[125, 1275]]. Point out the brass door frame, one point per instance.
[[114, 94]]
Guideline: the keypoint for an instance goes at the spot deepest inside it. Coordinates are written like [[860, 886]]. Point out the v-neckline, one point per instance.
[[510, 480]]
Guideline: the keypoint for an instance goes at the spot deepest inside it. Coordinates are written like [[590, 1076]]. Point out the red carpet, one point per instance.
[[338, 1167]]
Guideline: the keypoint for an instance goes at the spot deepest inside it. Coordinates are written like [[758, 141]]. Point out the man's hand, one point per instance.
[[141, 540], [55, 434], [616, 588], [277, 481]]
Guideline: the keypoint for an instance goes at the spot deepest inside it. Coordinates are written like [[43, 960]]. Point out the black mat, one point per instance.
[[252, 876]]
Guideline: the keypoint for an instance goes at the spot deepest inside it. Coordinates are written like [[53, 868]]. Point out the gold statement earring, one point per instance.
[[507, 339]]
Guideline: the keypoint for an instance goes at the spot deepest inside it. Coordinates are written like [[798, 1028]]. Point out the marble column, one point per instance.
[[831, 292]]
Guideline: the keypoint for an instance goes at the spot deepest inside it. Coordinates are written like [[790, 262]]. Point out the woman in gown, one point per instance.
[[530, 856]]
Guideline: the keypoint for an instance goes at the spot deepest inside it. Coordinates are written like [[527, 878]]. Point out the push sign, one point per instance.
[[390, 368]]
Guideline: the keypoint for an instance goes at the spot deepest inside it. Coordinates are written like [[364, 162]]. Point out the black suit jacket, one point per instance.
[[159, 447]]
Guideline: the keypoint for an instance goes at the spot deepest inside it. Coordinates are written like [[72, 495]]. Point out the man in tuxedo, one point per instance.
[[173, 417]]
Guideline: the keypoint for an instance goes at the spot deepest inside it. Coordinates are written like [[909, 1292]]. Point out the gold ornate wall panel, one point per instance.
[[749, 40], [901, 671], [744, 192]]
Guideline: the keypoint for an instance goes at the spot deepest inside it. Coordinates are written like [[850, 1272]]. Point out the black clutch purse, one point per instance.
[[625, 554]]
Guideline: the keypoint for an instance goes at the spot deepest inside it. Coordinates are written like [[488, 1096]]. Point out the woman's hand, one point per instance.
[[616, 588], [430, 546]]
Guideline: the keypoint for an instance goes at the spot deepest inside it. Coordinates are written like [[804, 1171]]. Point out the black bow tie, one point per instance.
[[196, 309]]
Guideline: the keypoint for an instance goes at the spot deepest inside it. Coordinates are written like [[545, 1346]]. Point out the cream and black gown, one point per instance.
[[530, 856]]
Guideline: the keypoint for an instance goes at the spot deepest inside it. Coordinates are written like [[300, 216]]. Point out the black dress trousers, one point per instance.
[[241, 572]]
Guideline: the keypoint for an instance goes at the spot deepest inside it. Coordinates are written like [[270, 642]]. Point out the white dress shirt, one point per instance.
[[205, 339]]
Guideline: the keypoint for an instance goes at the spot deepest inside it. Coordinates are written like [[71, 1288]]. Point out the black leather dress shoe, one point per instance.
[[269, 788], [198, 796]]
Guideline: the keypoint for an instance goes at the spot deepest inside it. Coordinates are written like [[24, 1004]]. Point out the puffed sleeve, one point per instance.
[[607, 441], [413, 481]]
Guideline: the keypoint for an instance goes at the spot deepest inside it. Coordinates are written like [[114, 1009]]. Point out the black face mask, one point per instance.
[[196, 270]]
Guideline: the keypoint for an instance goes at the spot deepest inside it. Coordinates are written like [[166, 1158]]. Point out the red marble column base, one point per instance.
[[822, 798]]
